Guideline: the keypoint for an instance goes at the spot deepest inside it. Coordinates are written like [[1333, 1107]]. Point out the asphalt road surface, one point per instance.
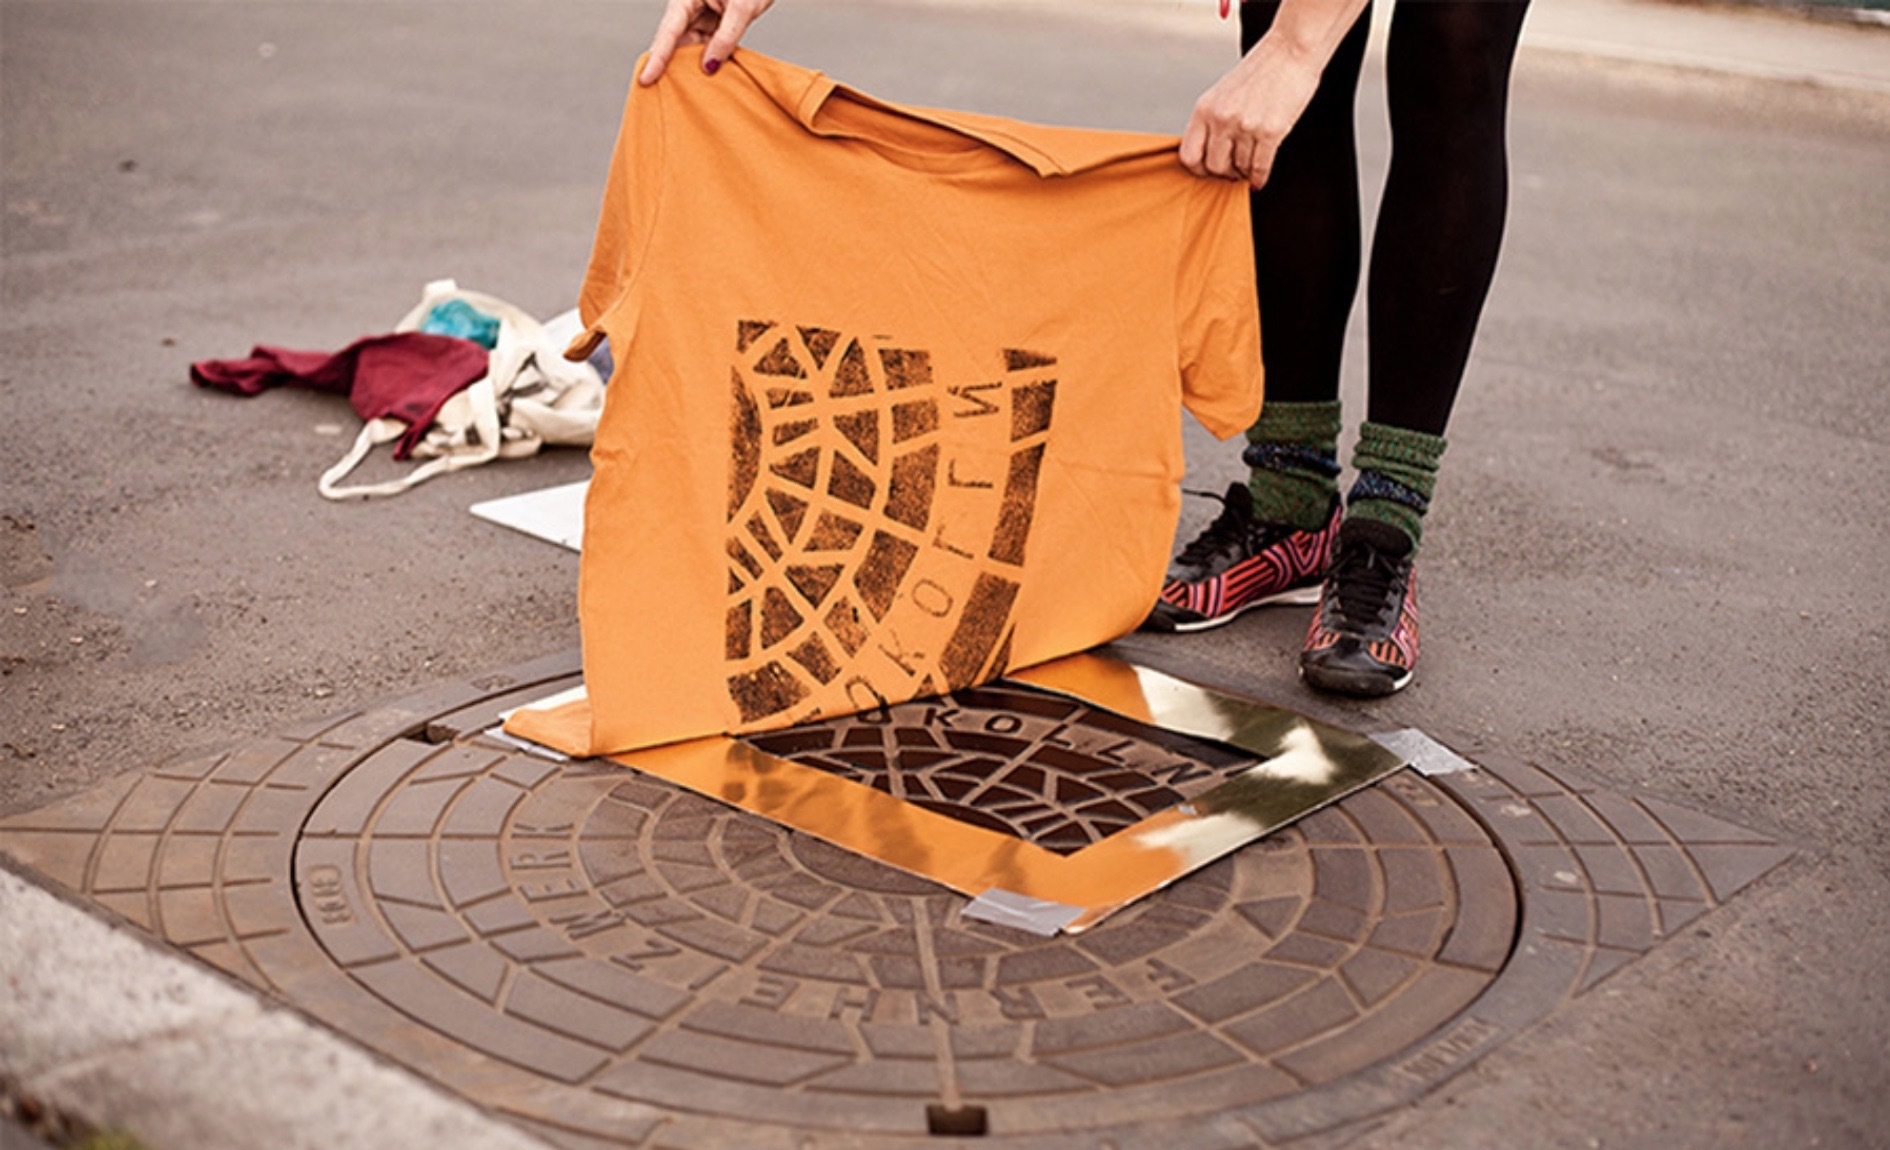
[[1657, 554]]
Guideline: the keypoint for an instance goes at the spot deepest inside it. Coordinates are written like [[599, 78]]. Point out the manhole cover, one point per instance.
[[609, 960]]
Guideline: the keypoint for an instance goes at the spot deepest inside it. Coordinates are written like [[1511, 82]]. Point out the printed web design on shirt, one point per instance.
[[877, 518]]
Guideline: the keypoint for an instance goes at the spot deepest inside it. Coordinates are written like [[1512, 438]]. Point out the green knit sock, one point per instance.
[[1397, 471], [1294, 452]]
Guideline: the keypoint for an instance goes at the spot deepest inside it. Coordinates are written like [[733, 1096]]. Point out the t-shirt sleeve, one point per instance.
[[1217, 316], [632, 194]]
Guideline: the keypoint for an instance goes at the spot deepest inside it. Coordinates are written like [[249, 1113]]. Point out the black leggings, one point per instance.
[[1440, 224]]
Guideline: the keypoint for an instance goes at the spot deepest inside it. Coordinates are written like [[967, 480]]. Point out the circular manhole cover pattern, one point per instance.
[[616, 938], [608, 959]]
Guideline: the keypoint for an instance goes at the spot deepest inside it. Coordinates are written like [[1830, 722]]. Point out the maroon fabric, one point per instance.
[[407, 376]]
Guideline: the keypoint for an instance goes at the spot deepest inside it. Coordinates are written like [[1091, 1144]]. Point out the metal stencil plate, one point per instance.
[[1085, 799]]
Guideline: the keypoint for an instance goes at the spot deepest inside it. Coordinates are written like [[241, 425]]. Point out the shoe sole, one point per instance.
[[1292, 597], [1355, 684]]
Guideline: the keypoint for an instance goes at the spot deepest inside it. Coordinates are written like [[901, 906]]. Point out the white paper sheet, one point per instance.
[[555, 514]]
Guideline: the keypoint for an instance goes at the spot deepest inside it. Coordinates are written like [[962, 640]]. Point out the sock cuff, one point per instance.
[[1380, 443], [1408, 458], [1309, 424], [1399, 445]]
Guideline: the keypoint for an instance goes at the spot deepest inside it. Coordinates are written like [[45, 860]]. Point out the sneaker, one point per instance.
[[1240, 562], [1364, 637]]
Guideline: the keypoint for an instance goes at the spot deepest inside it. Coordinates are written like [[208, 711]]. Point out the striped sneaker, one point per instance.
[[1240, 562], [1364, 637]]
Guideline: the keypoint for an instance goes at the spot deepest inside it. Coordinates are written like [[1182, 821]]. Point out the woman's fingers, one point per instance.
[[670, 31], [737, 15], [1219, 156], [1237, 125], [717, 23], [1194, 146], [1221, 145], [1246, 148]]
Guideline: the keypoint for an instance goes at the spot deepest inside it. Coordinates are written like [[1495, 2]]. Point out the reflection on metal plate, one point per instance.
[[1058, 804]]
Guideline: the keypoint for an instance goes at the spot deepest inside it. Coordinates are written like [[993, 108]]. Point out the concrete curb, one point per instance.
[[99, 1022], [1755, 43]]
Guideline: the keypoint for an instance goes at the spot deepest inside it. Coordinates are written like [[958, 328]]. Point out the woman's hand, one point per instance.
[[1238, 124], [717, 23]]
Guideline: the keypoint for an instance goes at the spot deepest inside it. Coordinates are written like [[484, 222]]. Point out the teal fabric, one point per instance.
[[459, 318]]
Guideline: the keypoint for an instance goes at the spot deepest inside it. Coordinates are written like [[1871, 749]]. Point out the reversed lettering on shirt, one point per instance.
[[878, 517]]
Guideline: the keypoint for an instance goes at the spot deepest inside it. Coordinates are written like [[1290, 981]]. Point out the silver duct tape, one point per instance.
[[1426, 754], [498, 735], [1036, 915]]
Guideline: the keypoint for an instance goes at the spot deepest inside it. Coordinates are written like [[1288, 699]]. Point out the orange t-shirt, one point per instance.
[[897, 403]]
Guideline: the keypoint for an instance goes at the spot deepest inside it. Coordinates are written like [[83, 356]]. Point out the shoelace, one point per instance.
[[1229, 527], [1363, 578]]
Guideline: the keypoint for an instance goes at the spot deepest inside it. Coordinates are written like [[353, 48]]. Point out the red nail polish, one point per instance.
[[710, 66]]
